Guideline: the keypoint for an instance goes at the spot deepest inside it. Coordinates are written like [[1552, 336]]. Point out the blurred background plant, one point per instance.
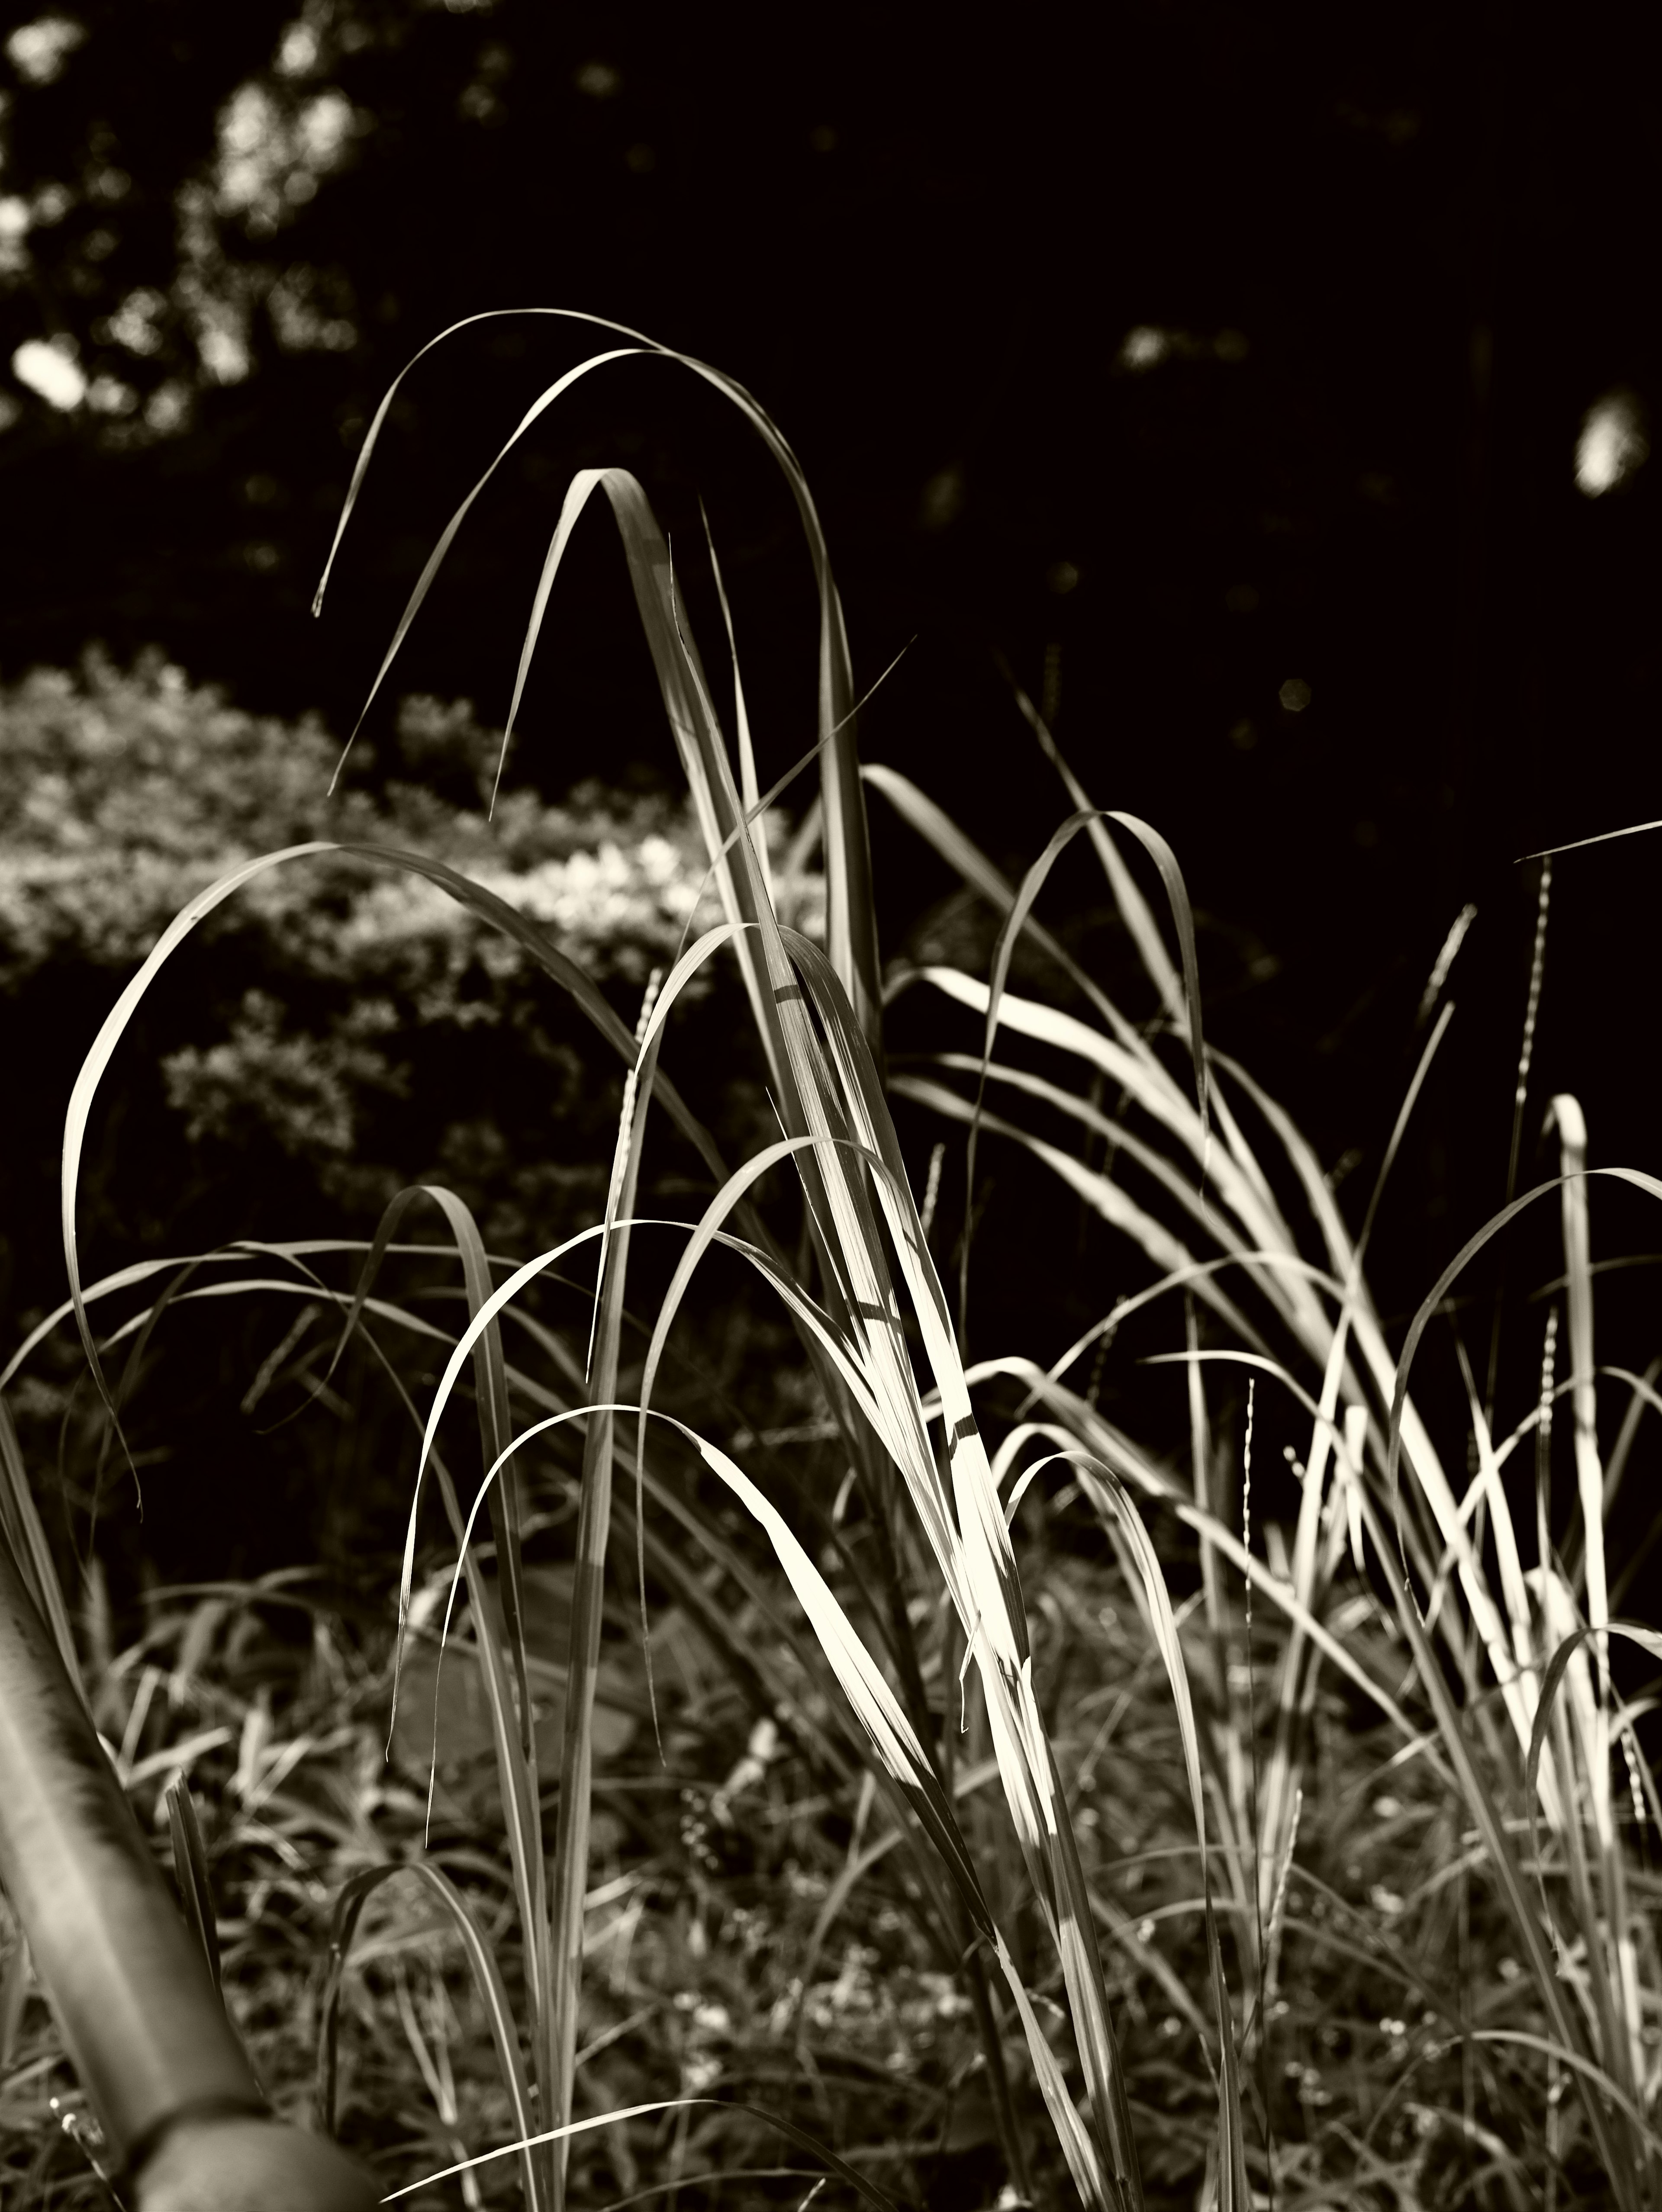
[[339, 1032]]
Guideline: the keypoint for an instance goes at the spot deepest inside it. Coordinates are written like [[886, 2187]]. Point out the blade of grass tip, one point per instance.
[[30, 1550], [1114, 1505], [889, 1732], [1433, 1301], [1101, 1193], [1172, 876], [1031, 883], [537, 408], [570, 1881], [1564, 1114], [1399, 1130], [1133, 907], [1283, 1285], [190, 1872], [1532, 1006]]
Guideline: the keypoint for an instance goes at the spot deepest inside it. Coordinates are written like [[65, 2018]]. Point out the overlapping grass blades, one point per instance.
[[1366, 1430], [1288, 1302]]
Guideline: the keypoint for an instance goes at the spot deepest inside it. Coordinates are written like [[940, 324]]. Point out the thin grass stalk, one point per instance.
[[559, 2026]]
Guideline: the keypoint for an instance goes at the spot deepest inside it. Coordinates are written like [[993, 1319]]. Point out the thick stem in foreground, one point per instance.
[[139, 2014]]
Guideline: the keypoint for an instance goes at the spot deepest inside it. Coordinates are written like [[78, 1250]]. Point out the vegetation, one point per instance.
[[884, 1777]]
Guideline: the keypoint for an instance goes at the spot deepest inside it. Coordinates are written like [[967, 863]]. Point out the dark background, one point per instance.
[[1389, 257]]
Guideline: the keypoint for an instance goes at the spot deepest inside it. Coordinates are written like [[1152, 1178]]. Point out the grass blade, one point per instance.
[[190, 1872]]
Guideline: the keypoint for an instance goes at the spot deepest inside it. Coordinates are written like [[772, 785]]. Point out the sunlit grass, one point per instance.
[[962, 1795]]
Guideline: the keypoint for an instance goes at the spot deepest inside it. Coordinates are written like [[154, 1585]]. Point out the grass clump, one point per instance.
[[937, 1794]]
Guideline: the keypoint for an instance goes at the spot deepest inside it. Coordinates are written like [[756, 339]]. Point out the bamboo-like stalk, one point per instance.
[[131, 1991]]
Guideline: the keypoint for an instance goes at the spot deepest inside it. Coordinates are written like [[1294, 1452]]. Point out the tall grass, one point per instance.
[[1399, 1584]]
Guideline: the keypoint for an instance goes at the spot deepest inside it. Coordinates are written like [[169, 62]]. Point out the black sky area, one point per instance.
[[1383, 262]]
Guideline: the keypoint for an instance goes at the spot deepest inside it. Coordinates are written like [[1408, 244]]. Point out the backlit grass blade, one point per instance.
[[570, 1867], [1566, 1114], [979, 1568], [1134, 1068], [20, 1523], [537, 408], [861, 2185], [1232, 1189], [1114, 1506], [480, 901], [487, 1978], [1021, 906], [1170, 876], [190, 1872], [1080, 1423], [937, 828], [749, 787], [903, 1761], [1133, 907], [1031, 883], [1432, 1302], [1101, 1193], [98, 1059]]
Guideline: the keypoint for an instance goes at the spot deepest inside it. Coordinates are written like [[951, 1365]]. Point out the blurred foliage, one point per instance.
[[331, 1031]]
